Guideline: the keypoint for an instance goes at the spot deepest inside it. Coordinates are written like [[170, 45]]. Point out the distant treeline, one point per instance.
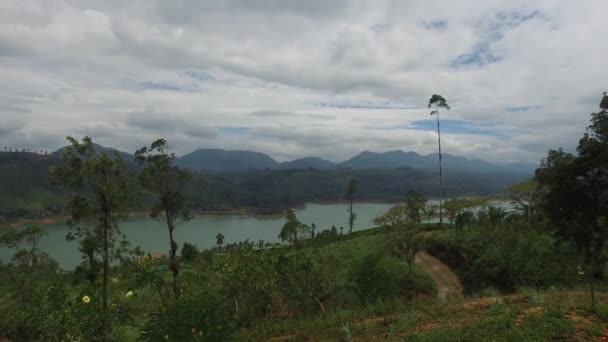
[[28, 189]]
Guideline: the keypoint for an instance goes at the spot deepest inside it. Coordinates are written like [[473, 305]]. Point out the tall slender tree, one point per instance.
[[104, 197], [437, 102], [350, 192], [167, 182]]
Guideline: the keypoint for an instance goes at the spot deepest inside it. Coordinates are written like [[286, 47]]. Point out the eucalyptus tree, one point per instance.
[[350, 192], [437, 102], [167, 183], [103, 197]]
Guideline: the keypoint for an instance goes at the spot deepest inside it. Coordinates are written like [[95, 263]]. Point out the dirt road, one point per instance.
[[447, 282]]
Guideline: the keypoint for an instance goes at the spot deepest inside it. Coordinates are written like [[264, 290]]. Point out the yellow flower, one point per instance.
[[167, 337], [86, 299], [129, 294], [200, 333]]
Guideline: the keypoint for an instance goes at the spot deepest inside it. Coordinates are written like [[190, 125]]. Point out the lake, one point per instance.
[[153, 237]]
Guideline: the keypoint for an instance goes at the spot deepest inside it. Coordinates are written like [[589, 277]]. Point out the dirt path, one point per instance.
[[447, 282]]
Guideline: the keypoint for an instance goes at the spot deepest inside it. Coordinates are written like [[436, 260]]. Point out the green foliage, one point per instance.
[[575, 193], [193, 318], [378, 276], [350, 192], [500, 325], [507, 258], [104, 197], [189, 252], [167, 183], [402, 223], [293, 228], [55, 312]]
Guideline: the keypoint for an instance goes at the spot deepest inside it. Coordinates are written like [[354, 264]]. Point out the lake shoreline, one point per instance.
[[248, 212]]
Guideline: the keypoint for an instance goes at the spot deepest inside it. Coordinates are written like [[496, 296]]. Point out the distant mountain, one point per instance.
[[387, 160], [127, 157], [218, 160], [308, 163], [398, 159]]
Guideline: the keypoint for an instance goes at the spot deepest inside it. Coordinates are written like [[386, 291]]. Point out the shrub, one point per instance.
[[189, 252]]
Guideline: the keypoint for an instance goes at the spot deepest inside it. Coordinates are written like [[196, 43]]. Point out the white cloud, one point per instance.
[[304, 78]]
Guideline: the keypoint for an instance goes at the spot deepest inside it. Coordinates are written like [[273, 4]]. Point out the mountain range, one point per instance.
[[227, 161], [218, 161], [243, 179]]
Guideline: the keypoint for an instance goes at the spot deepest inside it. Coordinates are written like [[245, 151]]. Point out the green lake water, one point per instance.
[[153, 237]]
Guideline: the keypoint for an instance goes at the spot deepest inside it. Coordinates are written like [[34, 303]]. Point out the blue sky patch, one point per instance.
[[435, 25], [523, 108], [366, 105], [199, 75], [158, 86], [481, 53], [454, 126]]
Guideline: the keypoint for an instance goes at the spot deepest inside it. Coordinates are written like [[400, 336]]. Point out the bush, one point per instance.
[[189, 252], [507, 258], [380, 276]]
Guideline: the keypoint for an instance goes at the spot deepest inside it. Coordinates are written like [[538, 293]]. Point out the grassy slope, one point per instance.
[[554, 315]]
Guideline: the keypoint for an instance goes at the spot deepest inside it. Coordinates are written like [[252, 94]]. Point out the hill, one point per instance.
[[218, 160], [308, 163], [127, 157], [396, 159], [226, 180]]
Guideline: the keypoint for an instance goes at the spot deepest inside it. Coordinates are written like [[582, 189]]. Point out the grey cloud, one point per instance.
[[277, 114], [11, 127], [167, 123], [271, 114], [372, 63]]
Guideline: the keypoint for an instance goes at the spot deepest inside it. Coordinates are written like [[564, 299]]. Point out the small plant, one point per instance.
[[347, 333]]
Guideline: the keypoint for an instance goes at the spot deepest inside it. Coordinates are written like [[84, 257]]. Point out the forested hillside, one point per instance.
[[28, 188]]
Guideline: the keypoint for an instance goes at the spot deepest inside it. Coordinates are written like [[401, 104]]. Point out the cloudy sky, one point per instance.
[[296, 78]]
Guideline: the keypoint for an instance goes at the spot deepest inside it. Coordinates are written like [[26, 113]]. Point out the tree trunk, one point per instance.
[[440, 173], [530, 211], [106, 274], [174, 266], [320, 304], [350, 219]]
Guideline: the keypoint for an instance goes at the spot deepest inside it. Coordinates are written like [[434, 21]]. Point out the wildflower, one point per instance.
[[129, 294], [167, 337], [193, 330], [200, 333], [86, 299]]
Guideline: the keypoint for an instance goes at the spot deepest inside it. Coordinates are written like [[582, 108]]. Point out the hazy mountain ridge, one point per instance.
[[217, 160], [308, 163], [221, 161]]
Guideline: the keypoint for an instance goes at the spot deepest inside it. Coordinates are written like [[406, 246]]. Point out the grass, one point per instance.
[[560, 316]]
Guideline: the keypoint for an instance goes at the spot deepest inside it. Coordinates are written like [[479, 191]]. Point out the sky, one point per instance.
[[303, 78]]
